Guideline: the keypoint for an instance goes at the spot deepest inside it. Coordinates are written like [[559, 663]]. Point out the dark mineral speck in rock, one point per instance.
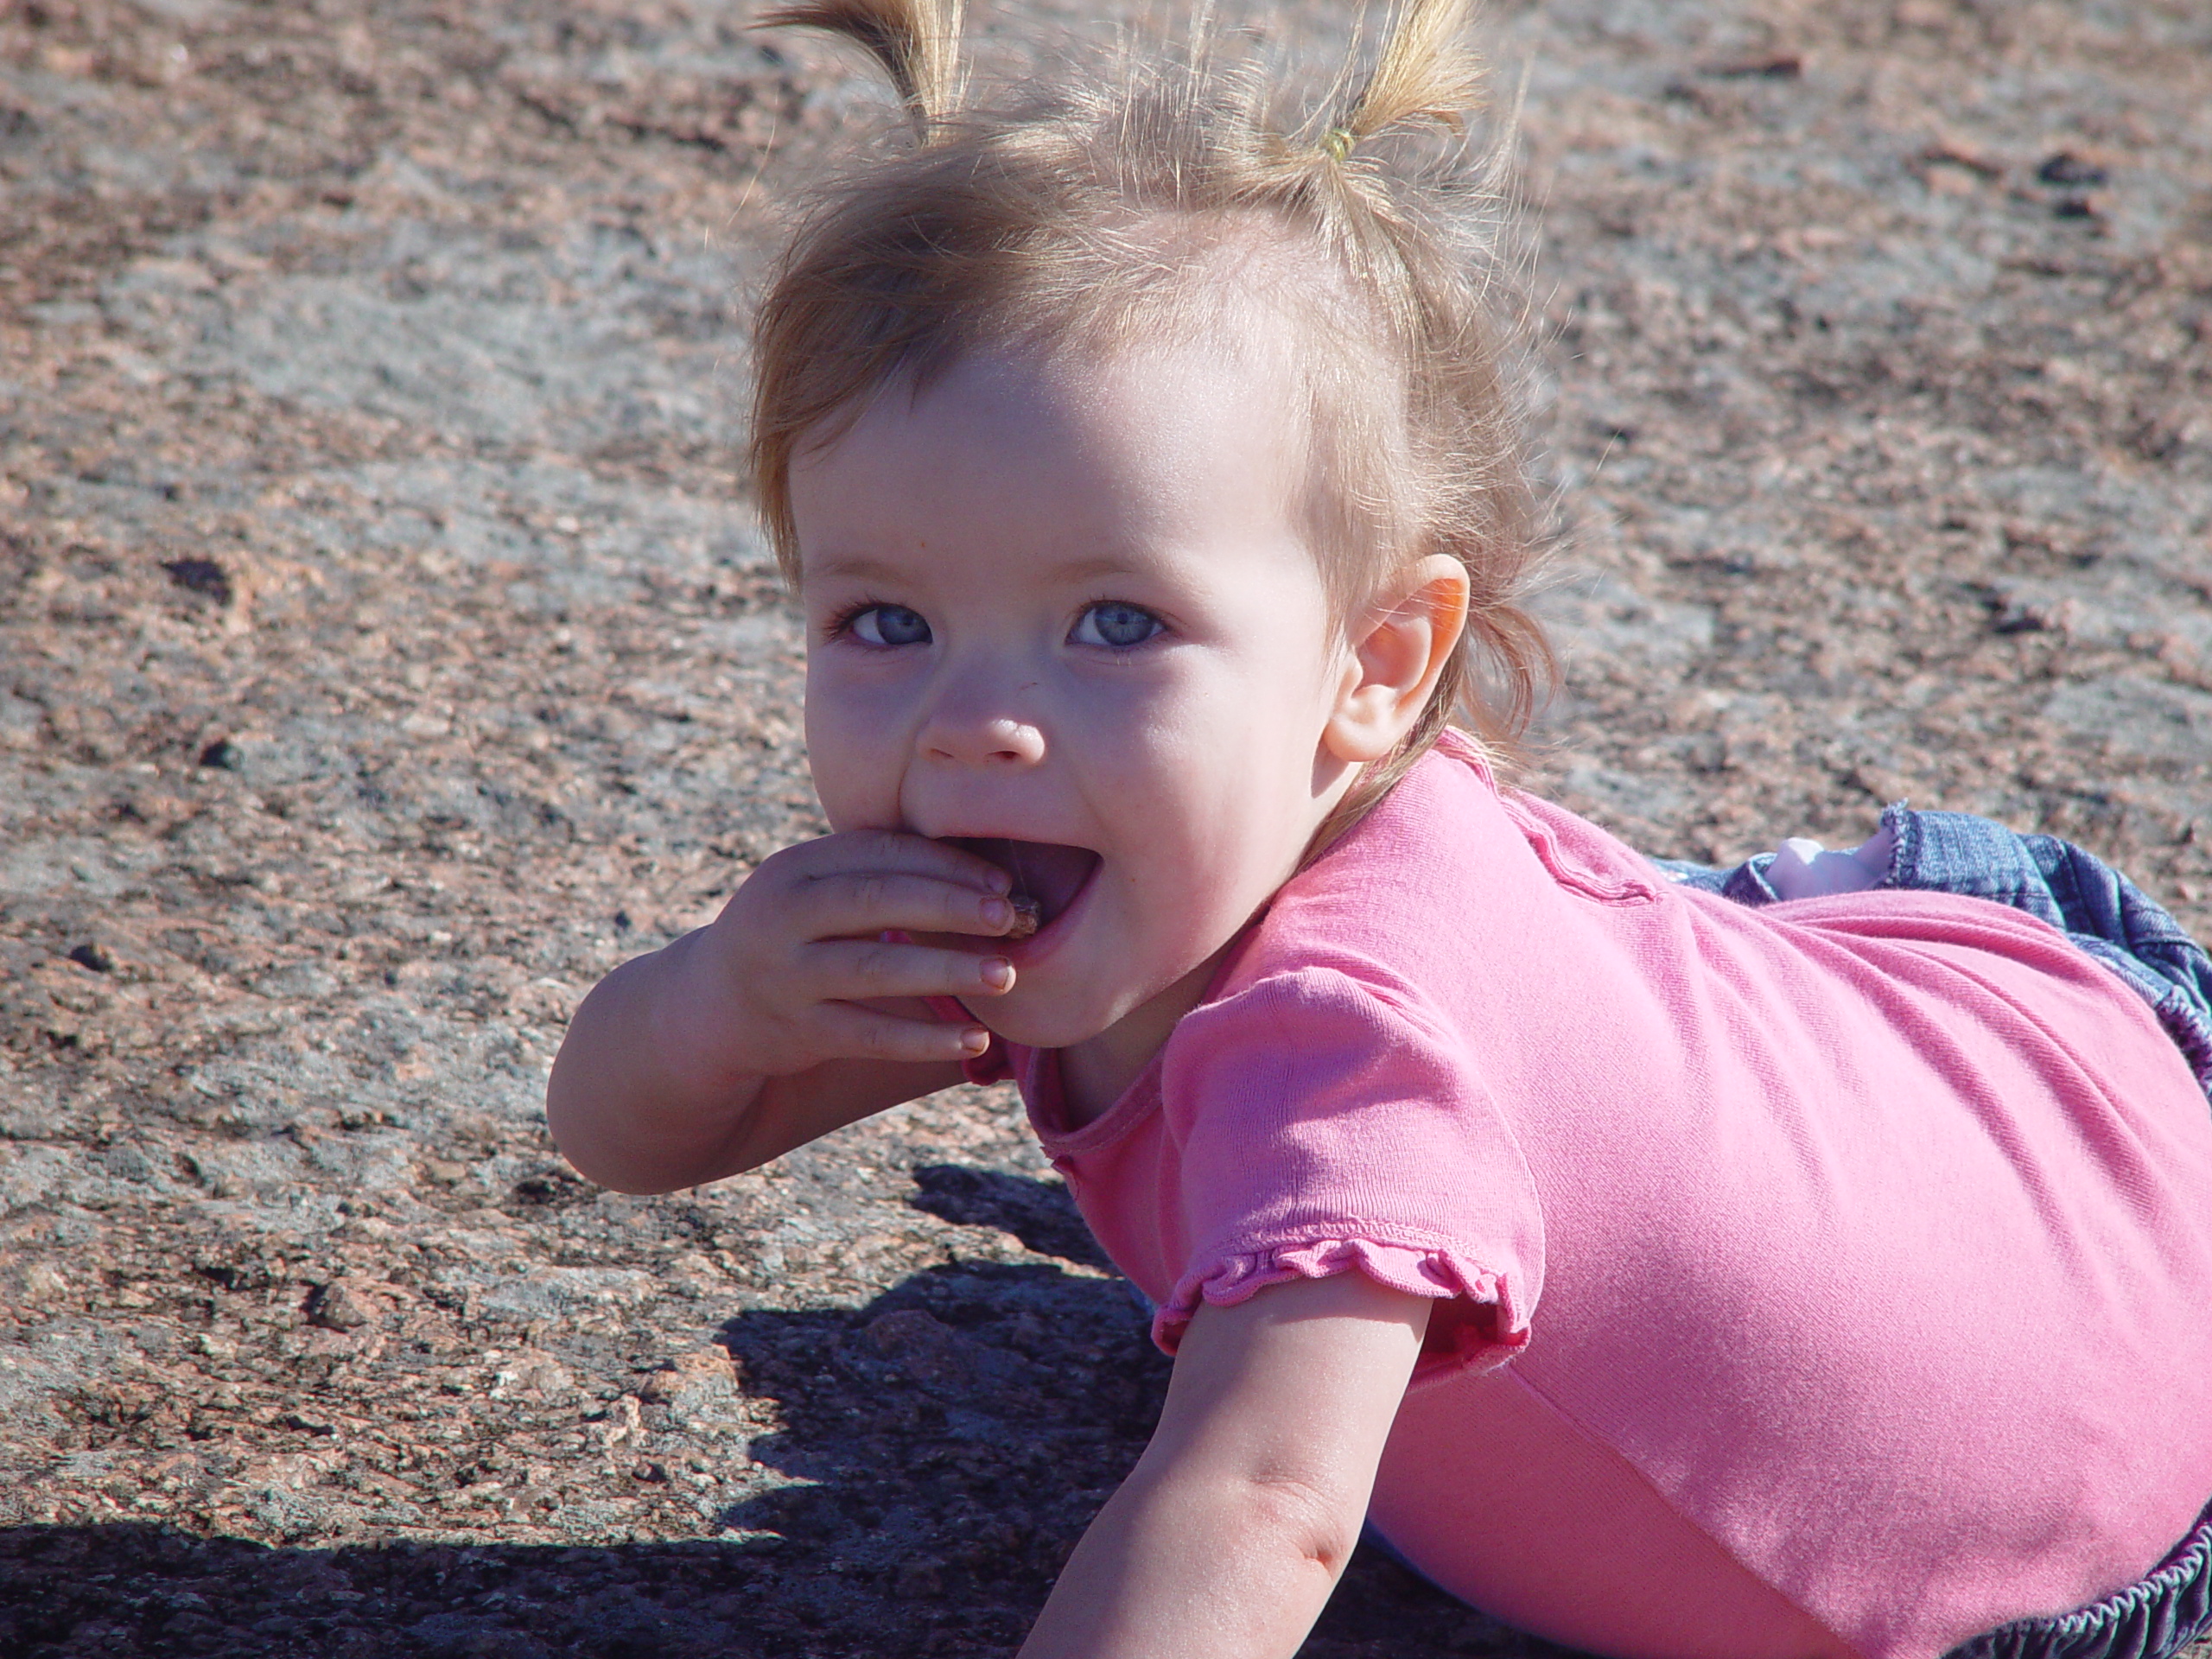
[[2068, 168], [200, 576], [552, 1187], [94, 955], [334, 1307], [222, 754], [234, 1276], [1786, 66]]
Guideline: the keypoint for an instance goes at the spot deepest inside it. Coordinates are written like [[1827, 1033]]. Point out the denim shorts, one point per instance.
[[2109, 917], [2156, 1615]]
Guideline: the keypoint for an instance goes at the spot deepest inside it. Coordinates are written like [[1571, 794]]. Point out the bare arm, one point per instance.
[[1228, 1536], [631, 1107], [787, 1017]]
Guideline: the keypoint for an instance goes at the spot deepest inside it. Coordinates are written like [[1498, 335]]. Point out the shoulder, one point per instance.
[[1321, 1046], [1412, 862], [1395, 903], [1299, 1012]]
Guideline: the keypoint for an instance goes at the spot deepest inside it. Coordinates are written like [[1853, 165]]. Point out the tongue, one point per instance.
[[1050, 874]]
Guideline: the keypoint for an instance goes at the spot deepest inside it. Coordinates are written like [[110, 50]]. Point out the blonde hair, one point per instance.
[[1092, 213]]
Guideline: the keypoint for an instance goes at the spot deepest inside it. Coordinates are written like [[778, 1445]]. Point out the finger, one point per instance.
[[869, 901], [852, 1032], [839, 969], [896, 851]]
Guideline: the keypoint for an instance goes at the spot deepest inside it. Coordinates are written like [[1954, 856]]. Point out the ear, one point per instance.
[[1399, 647]]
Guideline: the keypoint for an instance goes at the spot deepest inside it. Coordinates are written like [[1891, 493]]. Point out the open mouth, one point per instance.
[[1046, 877]]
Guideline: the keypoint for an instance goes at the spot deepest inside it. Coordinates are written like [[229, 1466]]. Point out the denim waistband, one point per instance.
[[2153, 1618]]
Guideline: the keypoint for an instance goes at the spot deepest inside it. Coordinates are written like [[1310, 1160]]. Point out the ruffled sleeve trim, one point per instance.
[[1491, 1328]]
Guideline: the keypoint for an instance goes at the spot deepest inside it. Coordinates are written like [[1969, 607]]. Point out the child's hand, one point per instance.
[[796, 971], [787, 1017]]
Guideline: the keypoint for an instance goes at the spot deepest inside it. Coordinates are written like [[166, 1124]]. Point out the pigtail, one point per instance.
[[916, 41], [1425, 71]]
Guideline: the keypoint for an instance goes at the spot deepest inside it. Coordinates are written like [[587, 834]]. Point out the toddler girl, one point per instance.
[[1669, 1263]]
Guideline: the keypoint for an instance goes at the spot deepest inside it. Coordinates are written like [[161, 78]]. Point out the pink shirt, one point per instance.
[[1832, 1276]]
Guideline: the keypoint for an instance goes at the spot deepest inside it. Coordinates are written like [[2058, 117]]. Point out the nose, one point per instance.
[[977, 740]]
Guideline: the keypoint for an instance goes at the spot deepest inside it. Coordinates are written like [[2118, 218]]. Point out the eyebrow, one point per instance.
[[852, 567], [1098, 566], [1095, 567]]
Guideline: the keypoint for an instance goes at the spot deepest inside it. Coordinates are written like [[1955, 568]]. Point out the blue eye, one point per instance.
[[1116, 625], [889, 624]]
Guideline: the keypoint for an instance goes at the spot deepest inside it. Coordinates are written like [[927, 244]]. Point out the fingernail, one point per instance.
[[975, 1040], [997, 913], [998, 973]]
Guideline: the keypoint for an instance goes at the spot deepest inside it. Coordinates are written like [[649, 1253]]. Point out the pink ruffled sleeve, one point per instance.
[[1324, 1127]]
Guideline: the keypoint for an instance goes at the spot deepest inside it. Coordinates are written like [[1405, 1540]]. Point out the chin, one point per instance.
[[1039, 1024], [1035, 1029]]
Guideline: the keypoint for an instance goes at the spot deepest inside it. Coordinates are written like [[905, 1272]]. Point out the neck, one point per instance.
[[1097, 1071]]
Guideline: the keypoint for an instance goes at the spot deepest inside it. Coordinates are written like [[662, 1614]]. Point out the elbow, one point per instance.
[[568, 1121], [1314, 1525], [580, 1134], [630, 1148]]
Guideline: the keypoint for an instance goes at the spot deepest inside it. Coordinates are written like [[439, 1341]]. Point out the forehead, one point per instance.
[[1159, 441]]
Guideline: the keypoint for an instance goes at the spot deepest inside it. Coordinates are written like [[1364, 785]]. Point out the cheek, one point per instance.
[[1260, 763], [1258, 730], [1219, 794], [852, 751]]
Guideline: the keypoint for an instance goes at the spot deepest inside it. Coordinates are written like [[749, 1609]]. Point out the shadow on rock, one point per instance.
[[139, 1590], [1039, 1213], [135, 1590], [953, 1437], [940, 1451]]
